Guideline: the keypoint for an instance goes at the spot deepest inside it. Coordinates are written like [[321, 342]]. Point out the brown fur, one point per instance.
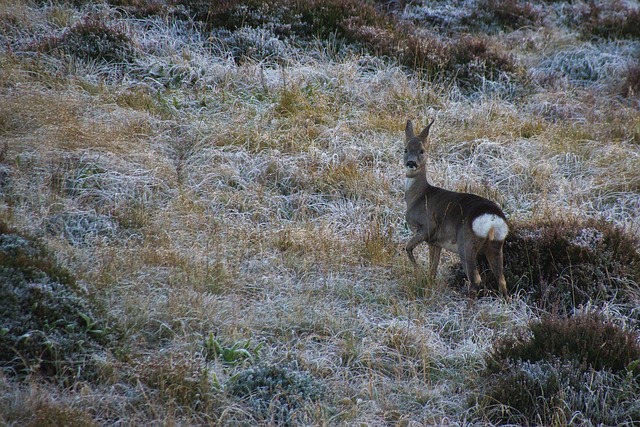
[[443, 218]]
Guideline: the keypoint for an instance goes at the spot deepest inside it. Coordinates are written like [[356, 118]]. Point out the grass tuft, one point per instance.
[[277, 394]]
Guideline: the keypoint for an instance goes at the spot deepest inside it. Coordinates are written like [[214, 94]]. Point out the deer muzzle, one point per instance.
[[411, 164]]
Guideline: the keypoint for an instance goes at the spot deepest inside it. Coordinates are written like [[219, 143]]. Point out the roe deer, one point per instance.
[[459, 222]]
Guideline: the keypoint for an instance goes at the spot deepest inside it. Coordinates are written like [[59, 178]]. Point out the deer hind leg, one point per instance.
[[468, 247], [468, 258], [495, 258], [434, 260]]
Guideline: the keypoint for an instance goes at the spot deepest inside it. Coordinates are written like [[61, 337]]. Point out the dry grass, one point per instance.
[[262, 200]]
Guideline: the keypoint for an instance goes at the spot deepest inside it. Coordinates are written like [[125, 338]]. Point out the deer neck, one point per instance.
[[415, 185]]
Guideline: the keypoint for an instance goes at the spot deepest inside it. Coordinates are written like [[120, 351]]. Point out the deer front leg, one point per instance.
[[411, 245]]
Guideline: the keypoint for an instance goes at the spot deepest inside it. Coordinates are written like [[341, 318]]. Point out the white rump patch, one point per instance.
[[483, 224]]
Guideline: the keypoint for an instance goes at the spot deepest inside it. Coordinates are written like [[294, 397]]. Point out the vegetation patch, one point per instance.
[[49, 328], [231, 355], [631, 86], [179, 380], [562, 264], [91, 38], [277, 394], [609, 19], [358, 23], [587, 338], [505, 14], [224, 179], [146, 9], [556, 371]]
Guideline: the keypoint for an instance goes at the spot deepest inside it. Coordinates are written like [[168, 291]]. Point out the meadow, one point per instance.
[[202, 212]]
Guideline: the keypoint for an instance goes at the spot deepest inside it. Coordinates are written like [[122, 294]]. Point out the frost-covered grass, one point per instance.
[[250, 186]]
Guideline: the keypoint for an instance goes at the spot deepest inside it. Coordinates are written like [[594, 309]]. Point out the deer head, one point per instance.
[[415, 149]]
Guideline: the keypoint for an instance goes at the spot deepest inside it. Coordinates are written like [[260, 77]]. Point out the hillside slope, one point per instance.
[[222, 183]]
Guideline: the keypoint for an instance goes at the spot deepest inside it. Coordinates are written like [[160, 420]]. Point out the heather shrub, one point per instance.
[[49, 328], [557, 371], [587, 338], [145, 8], [561, 264], [631, 85], [472, 61], [504, 14], [308, 18], [354, 23], [91, 39], [608, 19], [557, 392], [567, 263], [256, 44]]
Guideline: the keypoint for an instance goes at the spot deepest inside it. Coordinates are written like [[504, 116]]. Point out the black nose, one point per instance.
[[412, 164]]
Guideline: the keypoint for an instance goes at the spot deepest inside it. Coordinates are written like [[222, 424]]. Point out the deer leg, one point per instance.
[[468, 251], [468, 259], [411, 245], [495, 258], [434, 260]]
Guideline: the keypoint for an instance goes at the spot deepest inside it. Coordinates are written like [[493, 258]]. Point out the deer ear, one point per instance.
[[425, 131], [408, 131]]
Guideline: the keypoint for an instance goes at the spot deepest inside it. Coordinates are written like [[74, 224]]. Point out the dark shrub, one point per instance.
[[90, 39], [569, 263], [48, 327], [609, 19], [361, 24], [306, 18], [631, 85], [504, 14], [472, 59], [561, 264], [557, 392], [147, 8], [581, 368], [587, 339]]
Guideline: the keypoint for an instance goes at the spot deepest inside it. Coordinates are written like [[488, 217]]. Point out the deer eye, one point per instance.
[[405, 151], [421, 151]]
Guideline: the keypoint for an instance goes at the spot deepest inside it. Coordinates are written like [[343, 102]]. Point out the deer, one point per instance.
[[464, 223]]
